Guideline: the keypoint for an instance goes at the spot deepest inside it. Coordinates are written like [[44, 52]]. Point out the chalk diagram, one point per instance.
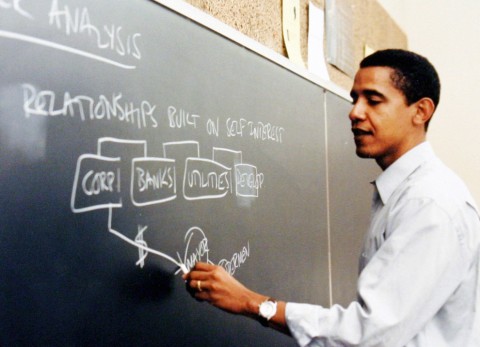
[[153, 180]]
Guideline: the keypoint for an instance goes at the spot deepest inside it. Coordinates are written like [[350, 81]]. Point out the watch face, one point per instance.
[[267, 309]]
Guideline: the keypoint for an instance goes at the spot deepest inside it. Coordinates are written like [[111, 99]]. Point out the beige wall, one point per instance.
[[447, 32], [261, 20]]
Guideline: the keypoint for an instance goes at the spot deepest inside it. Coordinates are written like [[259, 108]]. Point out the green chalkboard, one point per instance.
[[133, 143]]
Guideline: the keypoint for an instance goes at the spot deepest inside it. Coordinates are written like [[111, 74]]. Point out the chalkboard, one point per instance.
[[350, 194], [134, 142]]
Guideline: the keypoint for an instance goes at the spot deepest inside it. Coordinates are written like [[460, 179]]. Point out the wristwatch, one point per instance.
[[267, 309]]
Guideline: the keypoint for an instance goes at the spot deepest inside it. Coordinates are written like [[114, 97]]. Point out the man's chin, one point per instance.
[[363, 154]]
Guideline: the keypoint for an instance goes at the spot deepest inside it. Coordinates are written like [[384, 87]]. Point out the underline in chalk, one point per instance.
[[46, 43]]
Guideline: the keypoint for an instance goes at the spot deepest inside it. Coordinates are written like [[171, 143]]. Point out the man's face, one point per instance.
[[381, 119]]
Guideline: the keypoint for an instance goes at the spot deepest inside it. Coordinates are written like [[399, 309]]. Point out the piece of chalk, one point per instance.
[[184, 268]]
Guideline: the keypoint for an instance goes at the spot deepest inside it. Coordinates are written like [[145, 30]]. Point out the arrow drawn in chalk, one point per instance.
[[142, 245]]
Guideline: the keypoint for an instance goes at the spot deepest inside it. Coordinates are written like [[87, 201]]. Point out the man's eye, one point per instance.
[[373, 102]]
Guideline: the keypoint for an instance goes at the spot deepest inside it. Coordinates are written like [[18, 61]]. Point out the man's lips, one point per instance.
[[360, 132]]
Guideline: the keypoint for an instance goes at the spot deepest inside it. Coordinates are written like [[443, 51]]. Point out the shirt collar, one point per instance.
[[399, 170]]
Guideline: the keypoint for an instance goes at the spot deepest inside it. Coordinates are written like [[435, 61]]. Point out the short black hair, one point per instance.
[[413, 74]]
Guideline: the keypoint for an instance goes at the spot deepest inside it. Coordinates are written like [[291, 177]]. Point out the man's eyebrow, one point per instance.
[[368, 92], [373, 92]]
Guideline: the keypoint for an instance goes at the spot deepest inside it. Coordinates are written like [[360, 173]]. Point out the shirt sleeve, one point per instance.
[[410, 277]]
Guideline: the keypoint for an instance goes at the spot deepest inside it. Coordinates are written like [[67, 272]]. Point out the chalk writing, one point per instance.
[[94, 183], [142, 245], [256, 130], [15, 6], [153, 181], [236, 261], [181, 118], [77, 21], [206, 179], [265, 131], [47, 103], [147, 180], [142, 253], [248, 180], [212, 127], [199, 251], [46, 43]]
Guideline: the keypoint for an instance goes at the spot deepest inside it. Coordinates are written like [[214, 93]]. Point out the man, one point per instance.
[[419, 269]]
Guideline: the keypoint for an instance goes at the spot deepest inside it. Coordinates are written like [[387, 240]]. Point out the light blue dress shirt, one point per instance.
[[419, 282]]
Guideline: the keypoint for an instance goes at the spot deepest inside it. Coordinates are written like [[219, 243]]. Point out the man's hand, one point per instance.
[[213, 284]]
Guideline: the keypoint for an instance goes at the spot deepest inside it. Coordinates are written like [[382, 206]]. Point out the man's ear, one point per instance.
[[425, 108]]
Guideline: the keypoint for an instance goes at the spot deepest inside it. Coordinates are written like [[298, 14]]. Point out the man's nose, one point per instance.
[[357, 113]]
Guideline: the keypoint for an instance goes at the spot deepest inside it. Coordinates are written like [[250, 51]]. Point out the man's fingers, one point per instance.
[[200, 266], [197, 285], [198, 276], [198, 270], [198, 290]]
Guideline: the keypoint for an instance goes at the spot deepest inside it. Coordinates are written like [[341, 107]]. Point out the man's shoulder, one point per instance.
[[435, 181]]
